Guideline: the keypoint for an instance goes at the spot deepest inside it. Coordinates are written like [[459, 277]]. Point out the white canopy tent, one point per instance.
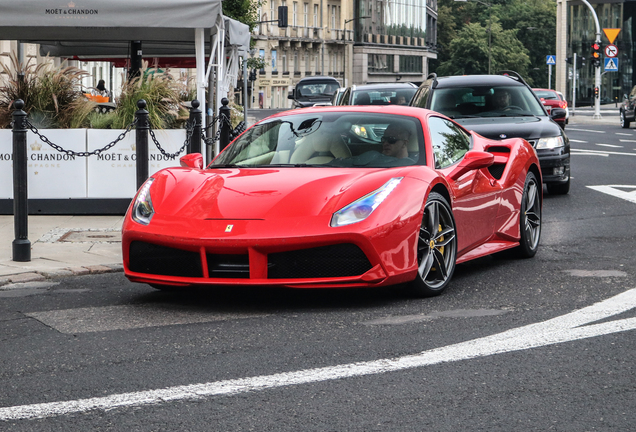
[[99, 22]]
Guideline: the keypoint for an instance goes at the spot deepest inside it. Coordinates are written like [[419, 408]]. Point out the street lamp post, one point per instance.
[[489, 6]]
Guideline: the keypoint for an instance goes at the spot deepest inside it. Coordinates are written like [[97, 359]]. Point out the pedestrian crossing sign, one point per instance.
[[550, 60], [611, 64]]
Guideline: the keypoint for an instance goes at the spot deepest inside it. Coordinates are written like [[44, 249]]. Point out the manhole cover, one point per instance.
[[91, 236], [81, 235]]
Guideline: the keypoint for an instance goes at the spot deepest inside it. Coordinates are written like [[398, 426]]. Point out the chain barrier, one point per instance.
[[189, 133], [79, 154], [239, 129]]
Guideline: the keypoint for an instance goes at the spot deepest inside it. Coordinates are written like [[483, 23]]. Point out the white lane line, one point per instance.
[[589, 153], [604, 152], [624, 134], [577, 141], [615, 190], [584, 130], [565, 328], [625, 140], [610, 145]]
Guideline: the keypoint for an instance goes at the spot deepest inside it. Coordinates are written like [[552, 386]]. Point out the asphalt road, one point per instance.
[[513, 345]]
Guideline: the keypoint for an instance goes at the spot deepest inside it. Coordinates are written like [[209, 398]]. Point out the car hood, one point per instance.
[[261, 193], [528, 128]]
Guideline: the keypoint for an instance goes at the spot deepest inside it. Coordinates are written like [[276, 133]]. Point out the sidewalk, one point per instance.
[[62, 246]]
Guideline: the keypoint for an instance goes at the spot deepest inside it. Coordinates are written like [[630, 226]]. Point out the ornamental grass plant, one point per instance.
[[52, 95]]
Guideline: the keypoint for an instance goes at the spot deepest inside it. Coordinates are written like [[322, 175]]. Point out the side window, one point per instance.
[[450, 143], [422, 96], [345, 97]]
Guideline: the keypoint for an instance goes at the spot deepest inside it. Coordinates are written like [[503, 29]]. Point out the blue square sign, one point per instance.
[[611, 64], [550, 60]]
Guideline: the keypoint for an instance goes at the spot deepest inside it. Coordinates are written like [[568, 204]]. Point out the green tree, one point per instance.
[[245, 11], [520, 29], [468, 51]]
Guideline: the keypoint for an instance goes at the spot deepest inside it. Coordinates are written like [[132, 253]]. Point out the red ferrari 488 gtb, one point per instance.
[[336, 197]]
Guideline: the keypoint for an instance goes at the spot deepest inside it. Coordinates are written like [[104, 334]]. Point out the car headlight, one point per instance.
[[142, 210], [550, 143], [360, 209]]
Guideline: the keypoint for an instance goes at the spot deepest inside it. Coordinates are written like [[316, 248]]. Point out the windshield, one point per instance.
[[313, 89], [547, 95], [383, 97], [486, 101], [336, 139]]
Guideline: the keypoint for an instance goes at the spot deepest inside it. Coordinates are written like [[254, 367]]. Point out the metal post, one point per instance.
[[21, 244], [195, 121], [574, 86], [597, 69], [141, 141], [245, 90], [224, 114], [549, 76]]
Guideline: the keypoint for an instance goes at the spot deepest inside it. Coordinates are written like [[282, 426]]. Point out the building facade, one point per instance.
[[355, 41], [576, 31]]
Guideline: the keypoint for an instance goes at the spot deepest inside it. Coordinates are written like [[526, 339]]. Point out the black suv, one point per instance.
[[499, 107], [628, 111], [311, 91]]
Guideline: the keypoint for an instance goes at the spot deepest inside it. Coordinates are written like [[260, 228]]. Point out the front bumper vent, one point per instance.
[[339, 260]]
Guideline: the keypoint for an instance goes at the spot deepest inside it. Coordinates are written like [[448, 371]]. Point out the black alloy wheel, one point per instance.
[[436, 248], [530, 217]]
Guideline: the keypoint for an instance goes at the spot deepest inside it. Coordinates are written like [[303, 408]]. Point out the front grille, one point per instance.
[[339, 260], [228, 266], [161, 260]]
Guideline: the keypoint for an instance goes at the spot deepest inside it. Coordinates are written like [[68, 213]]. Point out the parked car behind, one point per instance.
[[499, 107], [378, 94], [627, 111], [552, 99], [313, 90]]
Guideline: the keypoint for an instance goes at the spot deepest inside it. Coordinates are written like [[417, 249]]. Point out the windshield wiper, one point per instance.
[[226, 166]]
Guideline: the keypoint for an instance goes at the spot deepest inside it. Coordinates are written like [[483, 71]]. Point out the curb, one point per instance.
[[38, 276]]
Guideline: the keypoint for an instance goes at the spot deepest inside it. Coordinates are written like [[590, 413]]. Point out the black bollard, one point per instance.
[[141, 142], [226, 125], [21, 243], [195, 120]]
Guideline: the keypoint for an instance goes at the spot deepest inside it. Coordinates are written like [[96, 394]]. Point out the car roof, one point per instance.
[[477, 80], [319, 78], [542, 89], [383, 86]]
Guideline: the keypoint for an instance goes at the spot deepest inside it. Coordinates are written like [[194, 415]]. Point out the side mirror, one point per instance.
[[557, 114], [473, 160], [292, 94], [192, 160]]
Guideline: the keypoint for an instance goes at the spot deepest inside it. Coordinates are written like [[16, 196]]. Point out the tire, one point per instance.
[[624, 122], [436, 248], [558, 188], [530, 217]]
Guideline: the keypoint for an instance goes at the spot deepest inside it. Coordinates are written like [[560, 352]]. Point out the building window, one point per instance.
[[283, 60], [411, 64], [380, 63], [333, 17], [274, 65], [315, 15], [296, 65], [295, 14], [307, 63], [272, 10], [261, 54], [306, 13]]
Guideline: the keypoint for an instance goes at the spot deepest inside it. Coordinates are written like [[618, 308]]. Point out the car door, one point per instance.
[[476, 196]]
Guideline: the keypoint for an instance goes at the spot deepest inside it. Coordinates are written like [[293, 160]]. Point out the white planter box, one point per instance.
[[112, 174]]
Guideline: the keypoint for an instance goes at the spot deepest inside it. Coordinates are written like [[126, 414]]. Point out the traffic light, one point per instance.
[[580, 62], [596, 54], [252, 75], [596, 92], [282, 16]]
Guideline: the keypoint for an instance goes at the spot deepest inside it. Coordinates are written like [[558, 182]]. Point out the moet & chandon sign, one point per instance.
[[71, 10]]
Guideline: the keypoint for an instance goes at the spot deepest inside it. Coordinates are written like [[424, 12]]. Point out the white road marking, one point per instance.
[[615, 190], [588, 153], [624, 134], [570, 327], [577, 141], [585, 130], [610, 145], [603, 152], [625, 140]]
